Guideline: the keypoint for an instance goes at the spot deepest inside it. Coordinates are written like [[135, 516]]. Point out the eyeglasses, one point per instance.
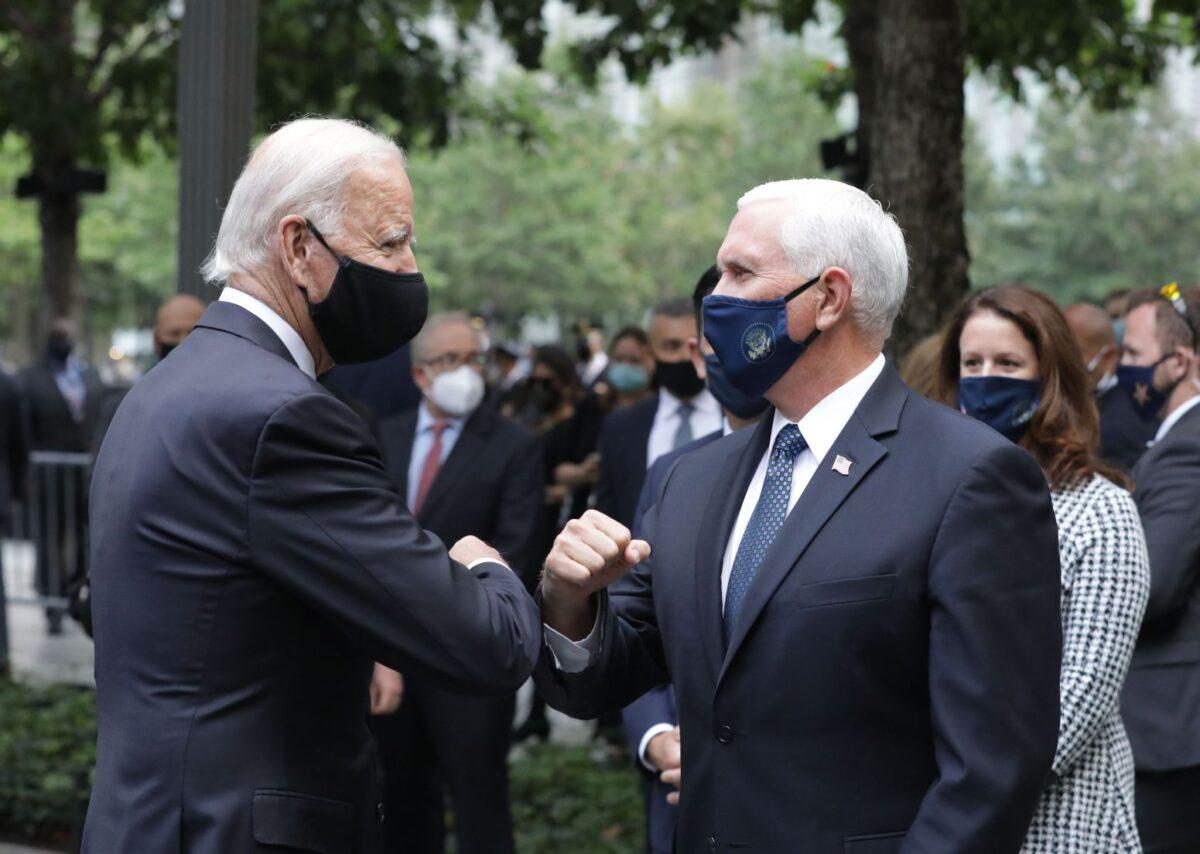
[[451, 361]]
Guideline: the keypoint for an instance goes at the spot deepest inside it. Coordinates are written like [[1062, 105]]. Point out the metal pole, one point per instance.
[[216, 117]]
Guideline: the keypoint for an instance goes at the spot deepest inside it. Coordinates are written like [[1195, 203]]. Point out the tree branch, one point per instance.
[[98, 95]]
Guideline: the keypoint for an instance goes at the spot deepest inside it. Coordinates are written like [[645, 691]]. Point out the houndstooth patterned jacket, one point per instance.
[[1088, 806]]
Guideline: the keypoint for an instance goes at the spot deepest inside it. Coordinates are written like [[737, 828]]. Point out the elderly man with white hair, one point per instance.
[[857, 603], [251, 557]]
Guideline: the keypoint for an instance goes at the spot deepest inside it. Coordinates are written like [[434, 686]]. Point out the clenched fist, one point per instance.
[[591, 553]]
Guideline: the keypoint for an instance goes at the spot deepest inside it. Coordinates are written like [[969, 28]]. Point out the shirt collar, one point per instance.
[[425, 420], [825, 421], [703, 402], [1173, 419], [282, 329]]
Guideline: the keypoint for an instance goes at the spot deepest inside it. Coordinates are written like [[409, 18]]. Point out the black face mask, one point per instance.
[[369, 312], [59, 348], [679, 378]]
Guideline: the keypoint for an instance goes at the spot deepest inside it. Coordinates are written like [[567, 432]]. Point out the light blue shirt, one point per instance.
[[423, 443], [68, 376]]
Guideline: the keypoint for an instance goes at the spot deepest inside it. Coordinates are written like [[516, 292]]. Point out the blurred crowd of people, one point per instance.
[[509, 443]]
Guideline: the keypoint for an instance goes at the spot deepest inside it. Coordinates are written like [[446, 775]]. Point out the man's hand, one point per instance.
[[664, 753], [470, 549], [591, 553], [387, 690]]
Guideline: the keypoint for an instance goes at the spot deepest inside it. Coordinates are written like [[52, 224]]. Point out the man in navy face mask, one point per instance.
[[856, 602]]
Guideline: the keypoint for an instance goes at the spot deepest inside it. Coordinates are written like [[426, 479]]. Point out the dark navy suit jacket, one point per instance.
[[892, 682], [657, 705], [250, 560], [623, 444], [1123, 433], [1161, 699]]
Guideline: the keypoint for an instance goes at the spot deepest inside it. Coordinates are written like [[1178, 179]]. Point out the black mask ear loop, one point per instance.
[[342, 260], [791, 296]]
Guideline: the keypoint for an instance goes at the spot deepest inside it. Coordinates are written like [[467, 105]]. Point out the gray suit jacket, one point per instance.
[[1161, 700]]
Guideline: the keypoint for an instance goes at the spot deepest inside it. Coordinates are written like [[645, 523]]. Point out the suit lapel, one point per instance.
[[878, 413], [471, 443], [719, 515]]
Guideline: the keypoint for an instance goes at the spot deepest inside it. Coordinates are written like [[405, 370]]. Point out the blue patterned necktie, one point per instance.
[[767, 519]]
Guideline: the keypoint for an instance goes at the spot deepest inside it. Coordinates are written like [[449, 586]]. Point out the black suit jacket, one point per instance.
[[1123, 433], [490, 485], [14, 444], [51, 426], [1161, 700], [892, 683], [250, 562], [623, 443]]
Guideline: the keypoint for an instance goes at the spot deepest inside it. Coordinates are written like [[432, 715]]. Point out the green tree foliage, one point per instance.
[[1100, 200], [543, 204]]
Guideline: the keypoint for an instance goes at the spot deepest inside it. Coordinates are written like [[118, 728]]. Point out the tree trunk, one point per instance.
[[860, 28], [916, 139], [58, 213]]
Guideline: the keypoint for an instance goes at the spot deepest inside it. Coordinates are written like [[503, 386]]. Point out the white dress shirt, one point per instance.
[[707, 417], [1173, 419], [282, 329], [820, 429]]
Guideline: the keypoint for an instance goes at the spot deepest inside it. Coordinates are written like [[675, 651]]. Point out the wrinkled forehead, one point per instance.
[[379, 192], [754, 233]]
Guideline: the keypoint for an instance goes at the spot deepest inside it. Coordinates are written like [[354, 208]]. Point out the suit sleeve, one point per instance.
[[607, 501], [1108, 595], [629, 661], [520, 509], [649, 494], [646, 712], [995, 646], [324, 521], [1168, 499]]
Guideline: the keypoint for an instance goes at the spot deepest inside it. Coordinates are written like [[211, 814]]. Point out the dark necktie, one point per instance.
[[683, 433], [765, 522], [429, 470]]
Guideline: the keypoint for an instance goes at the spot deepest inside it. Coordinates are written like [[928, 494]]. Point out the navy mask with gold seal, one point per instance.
[[751, 338]]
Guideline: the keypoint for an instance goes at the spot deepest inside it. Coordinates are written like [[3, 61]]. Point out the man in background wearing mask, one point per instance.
[[251, 557], [681, 411], [63, 401], [1161, 700], [463, 469], [652, 721], [1123, 432]]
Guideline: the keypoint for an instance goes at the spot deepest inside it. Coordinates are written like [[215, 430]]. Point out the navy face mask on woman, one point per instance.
[[1005, 404], [751, 339], [1138, 383], [730, 397], [369, 312]]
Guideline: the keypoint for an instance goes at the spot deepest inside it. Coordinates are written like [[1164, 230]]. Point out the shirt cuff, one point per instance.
[[657, 729], [483, 560], [576, 656]]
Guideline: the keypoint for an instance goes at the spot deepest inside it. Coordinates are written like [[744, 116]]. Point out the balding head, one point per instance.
[[1097, 340], [174, 321]]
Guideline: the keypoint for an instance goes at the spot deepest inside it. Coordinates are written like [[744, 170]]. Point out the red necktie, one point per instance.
[[429, 470]]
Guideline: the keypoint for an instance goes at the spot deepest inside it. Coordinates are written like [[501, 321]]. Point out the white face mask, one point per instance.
[[457, 392]]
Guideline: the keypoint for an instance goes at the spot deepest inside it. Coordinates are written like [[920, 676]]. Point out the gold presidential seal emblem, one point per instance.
[[758, 342]]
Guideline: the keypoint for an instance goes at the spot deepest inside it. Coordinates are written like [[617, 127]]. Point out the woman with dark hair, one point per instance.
[[1009, 360]]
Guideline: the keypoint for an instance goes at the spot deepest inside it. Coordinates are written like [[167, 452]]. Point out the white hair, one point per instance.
[[302, 168], [832, 224], [420, 344]]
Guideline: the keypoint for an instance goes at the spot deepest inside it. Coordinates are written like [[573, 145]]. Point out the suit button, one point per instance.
[[725, 734], [379, 809]]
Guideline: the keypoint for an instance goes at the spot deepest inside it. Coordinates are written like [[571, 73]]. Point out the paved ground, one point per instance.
[[34, 654], [9, 848]]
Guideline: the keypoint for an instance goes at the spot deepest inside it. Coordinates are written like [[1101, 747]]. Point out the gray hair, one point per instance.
[[302, 168], [836, 225], [420, 344]]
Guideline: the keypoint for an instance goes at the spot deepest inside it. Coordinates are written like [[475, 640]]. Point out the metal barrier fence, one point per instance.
[[53, 523]]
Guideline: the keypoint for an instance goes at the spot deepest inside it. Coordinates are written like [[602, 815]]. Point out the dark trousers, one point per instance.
[[1168, 811], [441, 741]]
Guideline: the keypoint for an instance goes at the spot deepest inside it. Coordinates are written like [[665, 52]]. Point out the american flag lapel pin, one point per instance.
[[841, 465]]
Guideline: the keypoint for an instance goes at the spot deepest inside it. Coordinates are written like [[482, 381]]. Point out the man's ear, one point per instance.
[[835, 288], [296, 242], [693, 348]]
